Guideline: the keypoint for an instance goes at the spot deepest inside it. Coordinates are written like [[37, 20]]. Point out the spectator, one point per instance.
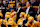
[[23, 3], [6, 4], [35, 3]]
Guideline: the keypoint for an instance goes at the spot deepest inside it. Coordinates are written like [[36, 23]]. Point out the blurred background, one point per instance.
[[29, 7]]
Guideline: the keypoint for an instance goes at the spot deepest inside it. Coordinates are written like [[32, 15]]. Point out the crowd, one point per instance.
[[19, 13]]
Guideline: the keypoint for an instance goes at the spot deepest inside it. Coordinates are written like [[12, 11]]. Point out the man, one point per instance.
[[30, 9], [5, 4], [19, 10]]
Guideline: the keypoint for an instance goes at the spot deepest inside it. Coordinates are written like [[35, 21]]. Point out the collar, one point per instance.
[[19, 7], [29, 7]]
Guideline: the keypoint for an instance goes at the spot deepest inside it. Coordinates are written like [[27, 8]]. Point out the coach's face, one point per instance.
[[17, 4], [27, 4]]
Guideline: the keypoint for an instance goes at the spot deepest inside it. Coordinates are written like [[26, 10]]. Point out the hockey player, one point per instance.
[[7, 15], [12, 23], [30, 22], [14, 16], [20, 21], [38, 21]]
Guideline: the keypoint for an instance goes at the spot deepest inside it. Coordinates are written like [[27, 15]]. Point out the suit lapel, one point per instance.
[[29, 10]]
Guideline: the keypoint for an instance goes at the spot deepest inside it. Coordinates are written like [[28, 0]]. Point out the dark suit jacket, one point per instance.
[[21, 10], [31, 12]]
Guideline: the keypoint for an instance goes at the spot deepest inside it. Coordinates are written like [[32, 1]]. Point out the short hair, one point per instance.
[[6, 1], [29, 2], [20, 4]]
